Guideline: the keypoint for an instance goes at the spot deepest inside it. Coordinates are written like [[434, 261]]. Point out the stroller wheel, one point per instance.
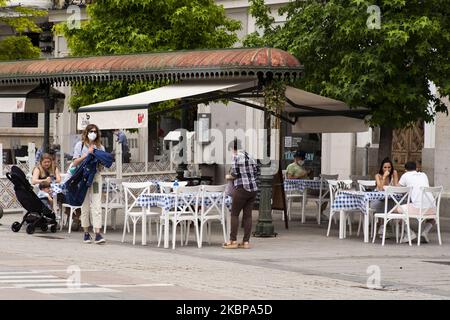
[[44, 227], [15, 226], [30, 229], [53, 228]]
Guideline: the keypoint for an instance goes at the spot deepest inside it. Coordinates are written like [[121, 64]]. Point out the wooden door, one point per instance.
[[407, 145]]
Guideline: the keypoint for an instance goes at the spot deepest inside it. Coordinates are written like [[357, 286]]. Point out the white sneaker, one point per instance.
[[424, 237], [405, 237]]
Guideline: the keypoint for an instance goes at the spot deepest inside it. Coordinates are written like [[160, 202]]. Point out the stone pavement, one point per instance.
[[300, 263]]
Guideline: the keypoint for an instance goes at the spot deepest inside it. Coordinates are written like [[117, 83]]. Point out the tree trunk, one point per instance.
[[385, 146]]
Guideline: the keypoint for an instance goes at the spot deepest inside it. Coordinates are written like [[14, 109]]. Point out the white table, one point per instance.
[[166, 201], [355, 200]]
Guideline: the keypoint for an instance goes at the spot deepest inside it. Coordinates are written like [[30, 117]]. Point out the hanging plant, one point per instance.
[[275, 96]]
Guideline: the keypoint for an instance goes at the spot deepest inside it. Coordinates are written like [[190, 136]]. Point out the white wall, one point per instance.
[[337, 154]]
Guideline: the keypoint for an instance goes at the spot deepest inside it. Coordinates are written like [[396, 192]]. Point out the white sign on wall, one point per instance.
[[120, 119]]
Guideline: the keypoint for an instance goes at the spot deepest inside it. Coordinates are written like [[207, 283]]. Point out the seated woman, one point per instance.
[[46, 171], [386, 176]]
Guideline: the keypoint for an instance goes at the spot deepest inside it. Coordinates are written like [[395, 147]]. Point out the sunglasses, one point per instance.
[[93, 131]]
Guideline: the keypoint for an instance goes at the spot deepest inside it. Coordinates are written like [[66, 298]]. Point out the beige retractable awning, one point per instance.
[[27, 98], [130, 112], [307, 112], [314, 113], [170, 92]]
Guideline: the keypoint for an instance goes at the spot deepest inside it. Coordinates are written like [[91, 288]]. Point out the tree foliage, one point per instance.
[[347, 57], [138, 26], [19, 19]]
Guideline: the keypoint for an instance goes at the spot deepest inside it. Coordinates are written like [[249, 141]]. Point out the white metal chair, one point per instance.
[[113, 200], [323, 192], [394, 193], [22, 159], [215, 210], [433, 195], [132, 191], [72, 210], [290, 195], [363, 186], [366, 185], [334, 187], [184, 211], [166, 187]]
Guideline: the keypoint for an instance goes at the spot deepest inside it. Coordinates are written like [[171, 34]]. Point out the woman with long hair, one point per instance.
[[91, 208], [46, 170], [387, 175]]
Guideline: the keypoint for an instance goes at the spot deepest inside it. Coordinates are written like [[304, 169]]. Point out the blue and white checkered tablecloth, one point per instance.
[[355, 200], [166, 201], [302, 184]]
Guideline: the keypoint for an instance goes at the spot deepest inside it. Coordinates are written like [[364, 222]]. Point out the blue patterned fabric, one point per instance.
[[355, 200], [166, 201], [302, 184]]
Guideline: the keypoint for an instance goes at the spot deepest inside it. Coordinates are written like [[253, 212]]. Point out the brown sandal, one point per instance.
[[230, 245], [244, 245]]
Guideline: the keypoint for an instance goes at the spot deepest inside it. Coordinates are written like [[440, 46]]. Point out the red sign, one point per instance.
[[140, 118]]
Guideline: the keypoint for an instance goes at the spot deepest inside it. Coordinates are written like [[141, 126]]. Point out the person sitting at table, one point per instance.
[[416, 180], [44, 194], [295, 170], [386, 176], [46, 171]]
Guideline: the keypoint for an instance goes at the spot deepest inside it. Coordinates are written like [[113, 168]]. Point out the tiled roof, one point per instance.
[[201, 64]]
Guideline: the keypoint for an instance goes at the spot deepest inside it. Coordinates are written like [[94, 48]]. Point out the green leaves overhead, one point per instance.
[[20, 20], [137, 26], [386, 69]]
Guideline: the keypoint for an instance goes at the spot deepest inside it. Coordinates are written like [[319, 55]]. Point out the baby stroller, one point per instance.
[[38, 214]]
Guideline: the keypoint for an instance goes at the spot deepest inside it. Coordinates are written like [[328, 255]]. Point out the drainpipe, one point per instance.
[[365, 169]]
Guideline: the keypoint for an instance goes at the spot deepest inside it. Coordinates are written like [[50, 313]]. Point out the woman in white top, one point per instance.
[[91, 208]]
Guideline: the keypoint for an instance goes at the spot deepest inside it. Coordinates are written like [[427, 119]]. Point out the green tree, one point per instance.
[[20, 20], [348, 56], [138, 26]]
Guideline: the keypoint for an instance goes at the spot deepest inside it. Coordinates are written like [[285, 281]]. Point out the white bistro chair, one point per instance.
[[366, 185], [433, 195], [335, 186], [363, 186], [72, 210], [166, 186], [133, 212], [323, 193], [184, 212], [215, 210], [113, 200], [291, 196], [394, 193]]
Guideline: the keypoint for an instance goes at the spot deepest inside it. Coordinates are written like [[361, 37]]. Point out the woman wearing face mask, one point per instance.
[[90, 140]]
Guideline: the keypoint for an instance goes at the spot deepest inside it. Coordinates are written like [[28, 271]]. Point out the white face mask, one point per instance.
[[92, 136]]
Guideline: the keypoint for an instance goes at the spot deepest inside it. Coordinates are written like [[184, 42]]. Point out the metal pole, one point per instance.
[[184, 125], [49, 105], [265, 227]]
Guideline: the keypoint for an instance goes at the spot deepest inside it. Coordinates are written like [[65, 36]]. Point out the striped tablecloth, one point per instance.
[[302, 184], [166, 201]]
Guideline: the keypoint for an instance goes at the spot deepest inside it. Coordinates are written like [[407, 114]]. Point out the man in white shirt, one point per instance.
[[416, 180]]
